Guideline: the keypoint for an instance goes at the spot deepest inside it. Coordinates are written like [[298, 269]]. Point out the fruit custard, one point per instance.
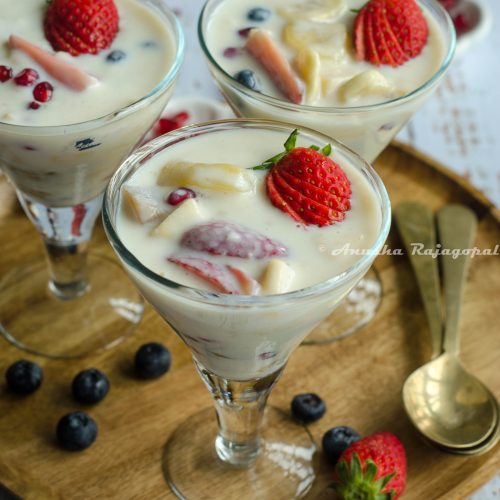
[[49, 83], [333, 55], [199, 215]]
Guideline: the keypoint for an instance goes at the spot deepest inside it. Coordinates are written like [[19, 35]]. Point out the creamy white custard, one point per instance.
[[60, 164], [244, 342]]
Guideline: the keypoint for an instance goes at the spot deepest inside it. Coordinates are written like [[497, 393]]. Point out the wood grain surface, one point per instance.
[[360, 377]]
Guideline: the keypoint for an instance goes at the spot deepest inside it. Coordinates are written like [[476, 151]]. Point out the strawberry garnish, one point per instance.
[[81, 26], [390, 32], [307, 185], [374, 467]]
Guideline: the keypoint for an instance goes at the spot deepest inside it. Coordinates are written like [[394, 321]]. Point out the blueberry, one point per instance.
[[308, 407], [76, 431], [90, 386], [24, 377], [336, 440], [115, 56], [246, 77], [259, 14], [152, 360]]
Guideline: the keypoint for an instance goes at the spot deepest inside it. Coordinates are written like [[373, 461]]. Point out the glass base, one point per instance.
[[283, 468], [354, 312], [34, 319]]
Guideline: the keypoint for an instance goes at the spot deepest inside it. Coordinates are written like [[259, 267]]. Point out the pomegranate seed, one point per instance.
[[43, 91], [179, 195], [33, 105], [231, 52], [245, 32], [5, 73], [26, 77]]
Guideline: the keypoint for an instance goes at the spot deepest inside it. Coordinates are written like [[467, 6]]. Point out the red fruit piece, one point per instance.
[[225, 279], [33, 105], [307, 185], [81, 26], [165, 125], [43, 91], [179, 195], [79, 212], [231, 240], [5, 73], [26, 77], [462, 23], [374, 467], [390, 32]]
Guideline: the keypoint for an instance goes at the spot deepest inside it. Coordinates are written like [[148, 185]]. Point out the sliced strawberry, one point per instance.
[[263, 48], [359, 35], [231, 240], [219, 276], [372, 52], [278, 201], [66, 73], [392, 43], [248, 285], [376, 11]]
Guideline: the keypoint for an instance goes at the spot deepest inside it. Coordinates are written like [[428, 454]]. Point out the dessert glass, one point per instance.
[[255, 453], [60, 174], [365, 129]]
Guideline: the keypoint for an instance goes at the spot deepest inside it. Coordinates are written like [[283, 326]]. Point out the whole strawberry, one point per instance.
[[307, 185], [81, 26], [373, 468], [390, 32]]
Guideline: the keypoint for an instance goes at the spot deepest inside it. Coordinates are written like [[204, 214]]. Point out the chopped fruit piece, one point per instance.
[[81, 26], [185, 215], [33, 105], [368, 82], [244, 32], [231, 52], [264, 49], [43, 91], [308, 407], [90, 386], [5, 73], [225, 279], [390, 32], [277, 278], [167, 124], [323, 11], [79, 212], [213, 176], [144, 204], [152, 360], [24, 377], [307, 185], [179, 195], [308, 64], [259, 14], [231, 240], [373, 467], [336, 440], [462, 23], [26, 77], [247, 78], [116, 56], [64, 72], [76, 431]]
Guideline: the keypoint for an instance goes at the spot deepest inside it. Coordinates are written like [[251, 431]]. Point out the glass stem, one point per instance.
[[66, 233], [240, 410]]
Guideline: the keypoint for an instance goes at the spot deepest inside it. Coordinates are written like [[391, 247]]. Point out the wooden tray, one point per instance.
[[360, 377]]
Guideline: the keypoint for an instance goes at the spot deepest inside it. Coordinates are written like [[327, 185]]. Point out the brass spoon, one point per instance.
[[447, 404]]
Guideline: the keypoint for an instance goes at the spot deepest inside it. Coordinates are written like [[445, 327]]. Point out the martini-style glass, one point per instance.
[[240, 345], [76, 302], [365, 129]]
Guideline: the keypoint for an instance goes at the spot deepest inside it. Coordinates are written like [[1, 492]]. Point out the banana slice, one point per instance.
[[366, 83], [308, 65], [277, 277], [328, 40], [213, 176], [322, 11], [186, 215]]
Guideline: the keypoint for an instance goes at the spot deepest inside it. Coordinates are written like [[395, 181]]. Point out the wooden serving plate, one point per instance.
[[360, 377]]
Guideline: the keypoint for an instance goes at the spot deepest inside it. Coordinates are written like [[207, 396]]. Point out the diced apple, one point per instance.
[[144, 204], [277, 278], [186, 215], [214, 176], [366, 83]]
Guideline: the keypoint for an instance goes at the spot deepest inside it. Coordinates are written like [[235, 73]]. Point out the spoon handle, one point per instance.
[[416, 226], [457, 231]]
